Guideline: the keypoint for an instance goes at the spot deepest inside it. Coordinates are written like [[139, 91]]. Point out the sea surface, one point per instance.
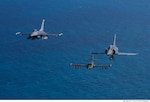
[[40, 69]]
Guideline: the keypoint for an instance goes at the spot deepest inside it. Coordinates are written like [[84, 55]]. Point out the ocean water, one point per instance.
[[40, 69]]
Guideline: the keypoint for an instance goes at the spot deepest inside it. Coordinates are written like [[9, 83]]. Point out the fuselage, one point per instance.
[[90, 65], [37, 35], [111, 50]]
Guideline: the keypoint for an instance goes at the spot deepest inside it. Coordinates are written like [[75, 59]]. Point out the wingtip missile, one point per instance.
[[18, 33], [71, 64], [61, 34]]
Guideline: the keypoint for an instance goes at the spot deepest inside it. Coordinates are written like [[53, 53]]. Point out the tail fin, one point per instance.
[[114, 43], [42, 25]]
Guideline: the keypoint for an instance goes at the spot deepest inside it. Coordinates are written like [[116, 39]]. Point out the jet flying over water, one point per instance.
[[113, 50], [37, 34], [91, 65]]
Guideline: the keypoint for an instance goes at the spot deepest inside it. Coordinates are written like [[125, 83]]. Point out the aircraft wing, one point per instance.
[[77, 65], [98, 52], [21, 33], [103, 66], [57, 35], [128, 54]]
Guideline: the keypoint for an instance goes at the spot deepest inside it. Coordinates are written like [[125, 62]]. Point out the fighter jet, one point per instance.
[[90, 65], [113, 50], [37, 34]]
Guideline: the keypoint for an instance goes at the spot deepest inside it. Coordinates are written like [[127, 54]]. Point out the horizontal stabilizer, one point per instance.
[[128, 54]]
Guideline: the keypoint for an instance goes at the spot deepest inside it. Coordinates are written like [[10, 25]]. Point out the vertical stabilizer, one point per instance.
[[114, 43], [42, 25]]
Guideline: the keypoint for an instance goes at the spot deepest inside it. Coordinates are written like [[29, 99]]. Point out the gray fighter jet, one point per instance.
[[90, 65], [112, 50], [37, 34]]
